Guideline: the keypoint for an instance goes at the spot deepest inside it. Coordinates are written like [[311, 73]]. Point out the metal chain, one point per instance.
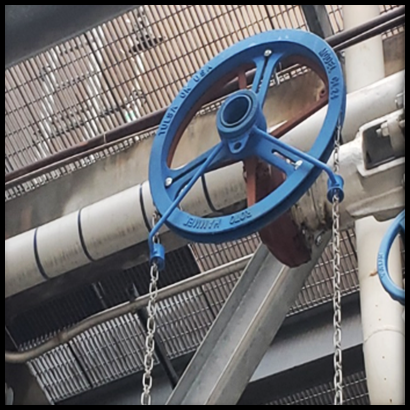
[[151, 328], [337, 309]]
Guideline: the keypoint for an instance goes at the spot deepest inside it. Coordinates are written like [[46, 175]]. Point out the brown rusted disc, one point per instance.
[[282, 237]]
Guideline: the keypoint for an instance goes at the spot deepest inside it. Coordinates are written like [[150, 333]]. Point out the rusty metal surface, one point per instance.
[[282, 237]]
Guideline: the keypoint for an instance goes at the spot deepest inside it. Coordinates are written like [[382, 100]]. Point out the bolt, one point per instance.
[[298, 164], [399, 101], [168, 181], [318, 240], [267, 53], [385, 129]]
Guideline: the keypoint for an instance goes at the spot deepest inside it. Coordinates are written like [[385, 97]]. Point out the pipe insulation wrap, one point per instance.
[[113, 224], [21, 269], [362, 106], [59, 246], [382, 321], [364, 61]]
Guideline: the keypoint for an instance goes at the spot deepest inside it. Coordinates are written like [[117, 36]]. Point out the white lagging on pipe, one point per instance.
[[382, 321], [117, 222]]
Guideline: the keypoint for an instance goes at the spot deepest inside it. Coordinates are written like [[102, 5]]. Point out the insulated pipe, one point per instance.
[[103, 228], [382, 317], [123, 220], [362, 106], [383, 328], [364, 62], [378, 192]]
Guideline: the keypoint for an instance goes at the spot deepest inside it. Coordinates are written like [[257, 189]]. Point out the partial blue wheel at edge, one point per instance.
[[397, 227]]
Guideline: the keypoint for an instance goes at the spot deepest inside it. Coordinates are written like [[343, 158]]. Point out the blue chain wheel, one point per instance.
[[397, 227], [243, 132]]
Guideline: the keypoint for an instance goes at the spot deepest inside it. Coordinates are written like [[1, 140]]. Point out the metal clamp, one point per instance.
[[397, 227]]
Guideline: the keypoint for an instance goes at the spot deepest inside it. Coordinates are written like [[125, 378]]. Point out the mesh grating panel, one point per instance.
[[354, 393], [59, 374], [15, 190], [114, 349], [123, 70], [318, 288], [45, 320], [119, 71]]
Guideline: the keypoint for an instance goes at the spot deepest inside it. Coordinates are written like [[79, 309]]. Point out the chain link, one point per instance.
[[337, 309], [151, 328]]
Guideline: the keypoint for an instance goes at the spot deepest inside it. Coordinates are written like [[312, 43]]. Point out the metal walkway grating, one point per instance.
[[124, 69], [113, 350], [355, 393]]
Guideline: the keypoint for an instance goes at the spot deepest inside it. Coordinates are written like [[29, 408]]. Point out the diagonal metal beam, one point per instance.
[[317, 19], [243, 330], [299, 358]]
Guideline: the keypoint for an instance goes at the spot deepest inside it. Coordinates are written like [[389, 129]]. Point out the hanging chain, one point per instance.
[[151, 328], [337, 309]]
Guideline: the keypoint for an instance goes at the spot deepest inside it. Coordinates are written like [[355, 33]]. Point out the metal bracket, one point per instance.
[[383, 139]]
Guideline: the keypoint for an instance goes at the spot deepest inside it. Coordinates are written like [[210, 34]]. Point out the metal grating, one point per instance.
[[44, 321], [354, 393], [15, 190], [318, 288], [42, 119], [336, 17], [120, 71], [123, 70], [113, 350]]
